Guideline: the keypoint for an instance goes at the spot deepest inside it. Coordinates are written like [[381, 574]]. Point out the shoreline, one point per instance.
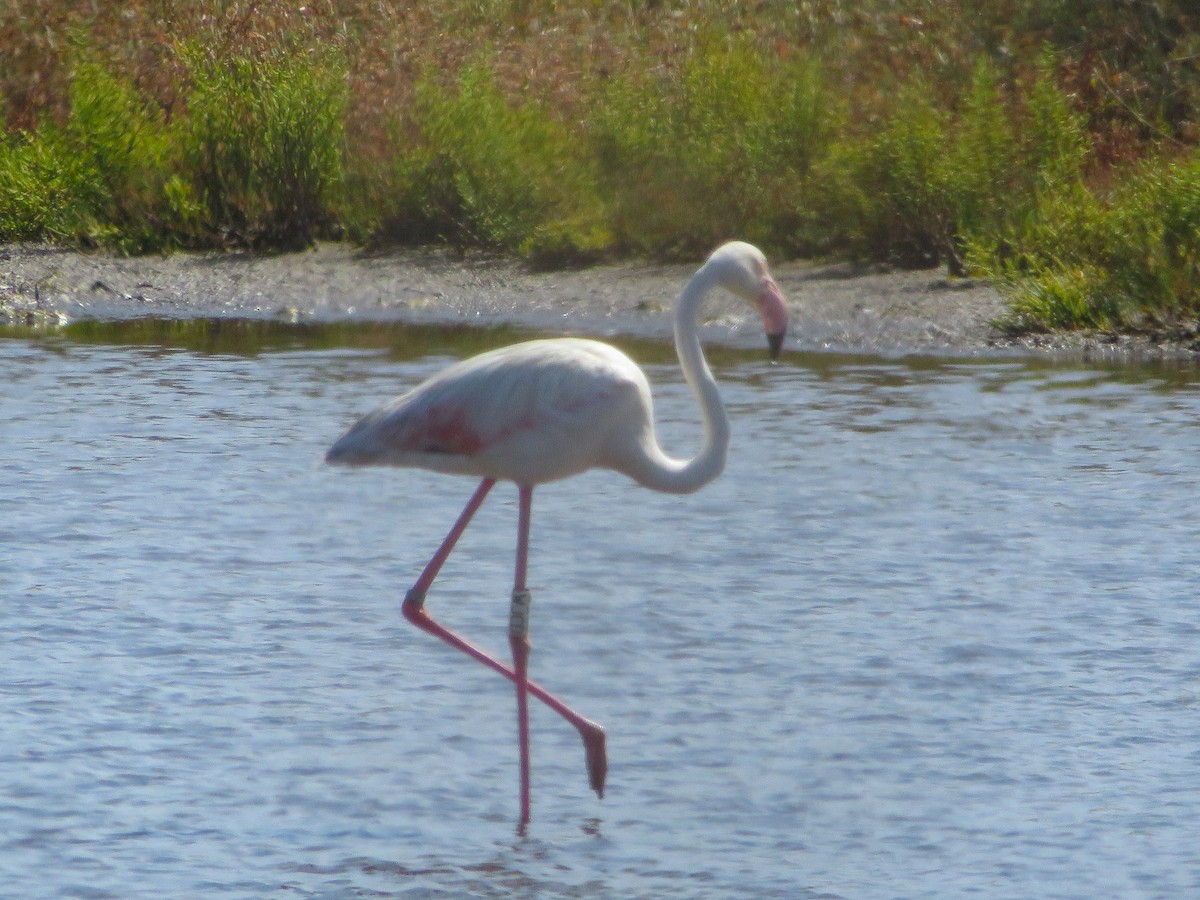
[[834, 308]]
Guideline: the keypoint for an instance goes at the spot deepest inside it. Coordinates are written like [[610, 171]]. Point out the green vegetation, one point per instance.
[[719, 148], [262, 140], [1051, 146], [485, 171], [1129, 258], [89, 176]]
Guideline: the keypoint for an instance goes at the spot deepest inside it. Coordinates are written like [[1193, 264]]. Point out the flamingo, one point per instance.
[[543, 410]]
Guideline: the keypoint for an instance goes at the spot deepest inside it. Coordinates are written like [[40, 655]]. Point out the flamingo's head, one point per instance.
[[742, 269]]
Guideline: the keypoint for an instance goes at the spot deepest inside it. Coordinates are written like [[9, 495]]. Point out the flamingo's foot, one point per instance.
[[594, 746]]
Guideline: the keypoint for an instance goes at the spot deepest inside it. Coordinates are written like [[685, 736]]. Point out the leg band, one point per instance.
[[518, 619]]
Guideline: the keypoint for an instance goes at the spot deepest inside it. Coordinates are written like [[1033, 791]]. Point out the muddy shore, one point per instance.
[[834, 307]]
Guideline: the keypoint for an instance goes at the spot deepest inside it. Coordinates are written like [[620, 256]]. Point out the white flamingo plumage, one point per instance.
[[543, 410]]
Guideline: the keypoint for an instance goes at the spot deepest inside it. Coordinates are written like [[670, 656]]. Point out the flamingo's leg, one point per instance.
[[414, 610], [518, 640], [434, 566]]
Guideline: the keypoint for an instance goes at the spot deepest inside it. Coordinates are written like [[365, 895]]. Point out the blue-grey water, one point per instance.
[[935, 633]]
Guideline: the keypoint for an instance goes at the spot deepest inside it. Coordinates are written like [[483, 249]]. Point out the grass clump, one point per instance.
[[716, 149], [102, 175], [255, 159], [1130, 261], [262, 143], [1121, 254], [476, 169], [901, 178], [126, 159], [967, 183], [38, 196]]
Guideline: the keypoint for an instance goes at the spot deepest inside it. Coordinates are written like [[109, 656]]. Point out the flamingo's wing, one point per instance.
[[532, 412]]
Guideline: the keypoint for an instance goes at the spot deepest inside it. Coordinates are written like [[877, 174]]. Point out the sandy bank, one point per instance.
[[837, 308]]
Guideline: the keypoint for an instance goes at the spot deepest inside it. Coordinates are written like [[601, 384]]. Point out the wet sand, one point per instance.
[[834, 307]]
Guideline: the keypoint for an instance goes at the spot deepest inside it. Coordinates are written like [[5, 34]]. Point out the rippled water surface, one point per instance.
[[933, 634]]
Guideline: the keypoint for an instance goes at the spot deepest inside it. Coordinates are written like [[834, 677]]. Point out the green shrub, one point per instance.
[[1056, 143], [715, 150], [1058, 298], [1073, 258], [127, 158], [263, 142], [1130, 261], [120, 141], [830, 213], [483, 171], [910, 215], [40, 196], [1152, 245], [98, 178], [1040, 200], [985, 178], [979, 187]]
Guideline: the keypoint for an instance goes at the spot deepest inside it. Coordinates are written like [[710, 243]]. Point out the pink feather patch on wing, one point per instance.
[[446, 430]]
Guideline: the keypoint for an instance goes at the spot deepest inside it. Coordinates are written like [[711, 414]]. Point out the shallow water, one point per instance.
[[934, 633]]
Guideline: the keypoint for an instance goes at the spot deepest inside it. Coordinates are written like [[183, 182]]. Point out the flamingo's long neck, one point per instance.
[[663, 472]]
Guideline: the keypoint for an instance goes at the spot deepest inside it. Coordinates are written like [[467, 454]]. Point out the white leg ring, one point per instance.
[[518, 619]]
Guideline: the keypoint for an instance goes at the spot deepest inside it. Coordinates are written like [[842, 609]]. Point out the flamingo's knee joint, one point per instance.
[[414, 602]]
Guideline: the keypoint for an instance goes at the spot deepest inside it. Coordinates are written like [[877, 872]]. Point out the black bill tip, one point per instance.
[[775, 344]]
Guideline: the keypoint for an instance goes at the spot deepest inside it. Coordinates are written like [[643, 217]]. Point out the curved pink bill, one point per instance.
[[774, 312]]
